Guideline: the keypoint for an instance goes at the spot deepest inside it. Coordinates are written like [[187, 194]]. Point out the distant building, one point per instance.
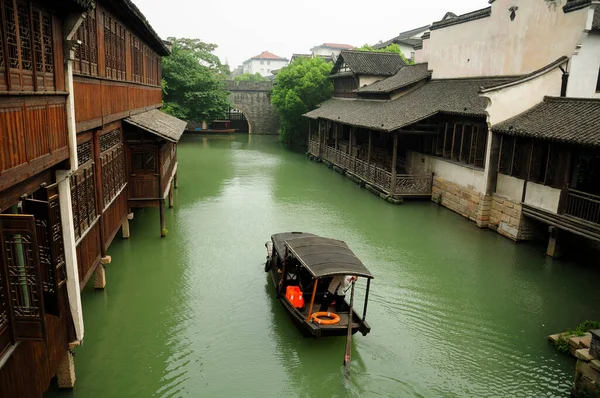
[[407, 41], [264, 63], [237, 71], [329, 51]]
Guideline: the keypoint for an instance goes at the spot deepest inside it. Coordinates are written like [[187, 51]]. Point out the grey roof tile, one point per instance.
[[560, 119], [450, 96], [369, 62], [405, 76], [483, 13], [158, 123]]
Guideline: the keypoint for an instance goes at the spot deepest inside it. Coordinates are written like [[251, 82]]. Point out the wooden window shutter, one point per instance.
[[51, 248], [21, 265]]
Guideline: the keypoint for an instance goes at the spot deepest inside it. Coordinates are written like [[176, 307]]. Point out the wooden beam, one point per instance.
[[453, 137], [335, 126], [499, 153], [445, 137], [528, 172], [350, 141], [462, 140], [370, 147]]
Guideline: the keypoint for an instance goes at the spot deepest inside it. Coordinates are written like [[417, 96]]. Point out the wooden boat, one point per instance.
[[310, 262]]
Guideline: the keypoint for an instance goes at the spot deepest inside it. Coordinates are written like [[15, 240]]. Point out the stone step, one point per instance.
[[581, 341], [584, 355]]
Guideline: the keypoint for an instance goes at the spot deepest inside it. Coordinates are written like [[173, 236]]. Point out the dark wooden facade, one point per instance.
[[117, 73], [153, 165]]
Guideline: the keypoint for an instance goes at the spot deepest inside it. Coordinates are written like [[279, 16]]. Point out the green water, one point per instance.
[[454, 310]]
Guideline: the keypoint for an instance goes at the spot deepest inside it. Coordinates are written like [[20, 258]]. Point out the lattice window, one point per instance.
[[28, 35], [136, 56], [83, 200], [84, 153], [108, 48], [110, 140], [113, 173], [120, 55], [83, 51]]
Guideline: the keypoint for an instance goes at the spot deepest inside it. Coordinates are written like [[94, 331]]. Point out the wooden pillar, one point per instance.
[[175, 183], [552, 249], [312, 300], [370, 146], [163, 229], [335, 126], [171, 196], [320, 138], [310, 122], [394, 160], [350, 141]]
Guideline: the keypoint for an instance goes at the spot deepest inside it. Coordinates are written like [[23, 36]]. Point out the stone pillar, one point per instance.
[[483, 211], [163, 226], [553, 249], [125, 229], [65, 374], [100, 273]]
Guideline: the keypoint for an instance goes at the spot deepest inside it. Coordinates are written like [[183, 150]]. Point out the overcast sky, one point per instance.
[[243, 29]]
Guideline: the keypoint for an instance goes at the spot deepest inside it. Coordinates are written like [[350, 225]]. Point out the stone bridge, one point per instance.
[[253, 99]]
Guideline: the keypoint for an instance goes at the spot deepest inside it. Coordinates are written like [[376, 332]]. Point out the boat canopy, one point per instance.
[[326, 257], [279, 240]]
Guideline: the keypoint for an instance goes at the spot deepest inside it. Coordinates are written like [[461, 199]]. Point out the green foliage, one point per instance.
[[193, 81], [392, 48], [249, 77], [562, 343], [299, 88]]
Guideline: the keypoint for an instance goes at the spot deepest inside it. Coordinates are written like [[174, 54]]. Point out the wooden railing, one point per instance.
[[583, 205], [406, 184]]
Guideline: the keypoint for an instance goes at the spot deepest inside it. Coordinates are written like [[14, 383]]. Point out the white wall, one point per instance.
[[465, 176], [365, 80], [543, 197], [407, 50], [510, 187], [325, 51], [584, 68], [493, 46], [254, 66], [511, 101]]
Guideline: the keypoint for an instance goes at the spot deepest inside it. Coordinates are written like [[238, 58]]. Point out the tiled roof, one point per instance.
[[402, 37], [483, 13], [574, 5], [449, 96], [369, 62], [267, 55], [158, 123], [406, 75], [569, 120], [337, 45]]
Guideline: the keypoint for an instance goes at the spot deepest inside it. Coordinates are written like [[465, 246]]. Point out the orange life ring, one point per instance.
[[333, 318]]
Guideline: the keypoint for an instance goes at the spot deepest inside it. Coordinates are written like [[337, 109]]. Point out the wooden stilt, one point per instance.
[[171, 197], [394, 160], [175, 181], [163, 229]]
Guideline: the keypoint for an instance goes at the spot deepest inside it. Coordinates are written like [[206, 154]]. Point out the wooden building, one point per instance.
[[151, 139], [70, 73]]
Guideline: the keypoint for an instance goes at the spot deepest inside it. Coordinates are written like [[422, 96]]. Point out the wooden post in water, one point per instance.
[[312, 301], [348, 352], [163, 228], [394, 160], [175, 181], [171, 196]]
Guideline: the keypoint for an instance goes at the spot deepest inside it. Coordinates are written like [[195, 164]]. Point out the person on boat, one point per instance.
[[336, 292]]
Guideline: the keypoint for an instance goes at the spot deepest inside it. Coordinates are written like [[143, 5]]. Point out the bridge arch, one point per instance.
[[253, 99]]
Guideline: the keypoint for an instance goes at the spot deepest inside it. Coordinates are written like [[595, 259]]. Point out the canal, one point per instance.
[[455, 311]]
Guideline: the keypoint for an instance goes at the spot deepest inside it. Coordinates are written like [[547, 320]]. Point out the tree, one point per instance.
[[193, 81], [392, 48], [249, 77], [299, 88]]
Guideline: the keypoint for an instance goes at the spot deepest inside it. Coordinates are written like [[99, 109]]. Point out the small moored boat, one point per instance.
[[302, 266]]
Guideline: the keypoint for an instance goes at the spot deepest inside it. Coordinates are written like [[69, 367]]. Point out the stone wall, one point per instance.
[[506, 218], [466, 201], [254, 100]]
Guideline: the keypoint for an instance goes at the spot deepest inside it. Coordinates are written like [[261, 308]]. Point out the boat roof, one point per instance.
[[324, 257], [279, 240]]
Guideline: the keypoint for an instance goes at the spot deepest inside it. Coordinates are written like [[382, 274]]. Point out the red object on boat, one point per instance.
[[294, 296]]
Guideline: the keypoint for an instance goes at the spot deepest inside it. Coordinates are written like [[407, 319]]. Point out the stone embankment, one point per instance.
[[586, 349]]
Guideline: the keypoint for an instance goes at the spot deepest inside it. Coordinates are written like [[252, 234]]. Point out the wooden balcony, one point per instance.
[[33, 136], [583, 206], [406, 185]]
